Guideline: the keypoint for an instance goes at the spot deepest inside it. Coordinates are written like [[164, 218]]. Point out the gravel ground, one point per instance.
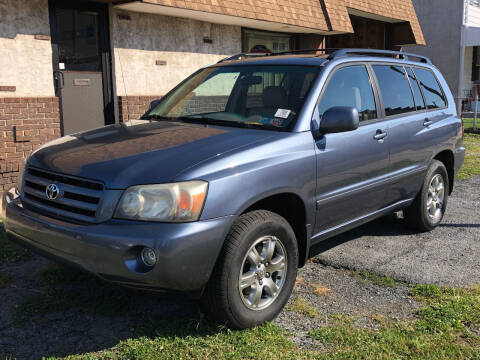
[[449, 255], [101, 314]]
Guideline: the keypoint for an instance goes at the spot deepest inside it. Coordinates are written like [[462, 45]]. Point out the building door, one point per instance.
[[368, 34], [81, 64]]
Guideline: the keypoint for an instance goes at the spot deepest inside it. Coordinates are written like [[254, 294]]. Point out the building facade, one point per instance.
[[452, 33], [69, 66]]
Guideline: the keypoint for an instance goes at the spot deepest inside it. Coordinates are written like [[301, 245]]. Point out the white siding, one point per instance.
[[24, 61], [473, 14], [145, 38]]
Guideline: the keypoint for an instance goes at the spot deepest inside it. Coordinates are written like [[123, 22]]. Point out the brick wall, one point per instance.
[[134, 106], [25, 124]]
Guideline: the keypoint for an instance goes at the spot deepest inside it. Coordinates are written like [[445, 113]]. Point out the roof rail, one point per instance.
[[241, 56], [335, 53], [404, 55], [247, 55]]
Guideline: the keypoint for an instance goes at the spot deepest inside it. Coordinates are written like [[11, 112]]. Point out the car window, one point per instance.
[[395, 89], [350, 86], [432, 91], [417, 94]]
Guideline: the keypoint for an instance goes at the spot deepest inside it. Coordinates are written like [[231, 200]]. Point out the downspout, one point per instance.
[[112, 16], [461, 75]]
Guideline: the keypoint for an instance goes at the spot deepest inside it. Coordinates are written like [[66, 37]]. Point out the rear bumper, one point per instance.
[[459, 158], [186, 252]]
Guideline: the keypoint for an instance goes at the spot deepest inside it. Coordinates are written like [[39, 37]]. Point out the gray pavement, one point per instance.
[[449, 255]]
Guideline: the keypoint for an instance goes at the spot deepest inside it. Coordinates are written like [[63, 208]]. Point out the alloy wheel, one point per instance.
[[436, 198], [263, 273]]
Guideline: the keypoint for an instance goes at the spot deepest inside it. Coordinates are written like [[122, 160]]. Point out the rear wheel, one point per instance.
[[428, 208], [255, 273]]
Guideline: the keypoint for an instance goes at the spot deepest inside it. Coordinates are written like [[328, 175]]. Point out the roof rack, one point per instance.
[[403, 55], [241, 56], [336, 53], [247, 55]]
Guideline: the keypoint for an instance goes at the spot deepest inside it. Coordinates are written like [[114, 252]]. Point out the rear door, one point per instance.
[[351, 166], [411, 140]]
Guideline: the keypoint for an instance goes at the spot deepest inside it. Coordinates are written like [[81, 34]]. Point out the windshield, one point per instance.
[[268, 97]]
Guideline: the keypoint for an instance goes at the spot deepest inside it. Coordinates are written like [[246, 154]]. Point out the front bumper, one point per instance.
[[186, 252]]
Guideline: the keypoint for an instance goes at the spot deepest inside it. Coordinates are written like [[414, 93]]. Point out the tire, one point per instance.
[[223, 301], [427, 211]]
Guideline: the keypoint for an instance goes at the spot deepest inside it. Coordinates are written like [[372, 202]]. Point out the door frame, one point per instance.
[[105, 50]]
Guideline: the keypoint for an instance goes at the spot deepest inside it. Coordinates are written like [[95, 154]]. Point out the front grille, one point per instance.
[[78, 198]]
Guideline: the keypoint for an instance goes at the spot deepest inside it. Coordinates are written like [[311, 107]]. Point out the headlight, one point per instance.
[[177, 202]]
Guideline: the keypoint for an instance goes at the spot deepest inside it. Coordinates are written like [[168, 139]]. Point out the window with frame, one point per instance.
[[417, 93], [350, 86], [395, 89], [433, 93], [476, 64]]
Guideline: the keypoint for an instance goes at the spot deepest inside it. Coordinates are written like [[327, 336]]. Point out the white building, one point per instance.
[[452, 32]]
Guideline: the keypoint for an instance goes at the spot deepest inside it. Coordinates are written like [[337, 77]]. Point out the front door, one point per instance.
[[81, 64], [351, 166]]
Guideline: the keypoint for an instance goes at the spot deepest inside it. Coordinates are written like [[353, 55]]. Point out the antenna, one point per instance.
[[124, 87]]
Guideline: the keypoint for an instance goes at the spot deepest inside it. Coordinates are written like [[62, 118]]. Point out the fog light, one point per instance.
[[148, 256]]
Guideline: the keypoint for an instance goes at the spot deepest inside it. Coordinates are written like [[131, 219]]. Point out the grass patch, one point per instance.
[[445, 329], [300, 306], [471, 166], [174, 339], [369, 277], [468, 123], [10, 252], [4, 279]]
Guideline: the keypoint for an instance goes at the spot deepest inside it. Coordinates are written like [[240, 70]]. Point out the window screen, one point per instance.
[[417, 94], [432, 91], [350, 86], [396, 93]]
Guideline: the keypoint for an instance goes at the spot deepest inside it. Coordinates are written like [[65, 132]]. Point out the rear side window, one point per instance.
[[350, 86], [396, 93], [417, 94], [432, 91]]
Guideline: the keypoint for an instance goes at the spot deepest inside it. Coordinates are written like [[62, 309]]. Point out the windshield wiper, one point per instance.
[[155, 117], [211, 121]]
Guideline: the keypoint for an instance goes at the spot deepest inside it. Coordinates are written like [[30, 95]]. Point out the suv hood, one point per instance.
[[140, 152]]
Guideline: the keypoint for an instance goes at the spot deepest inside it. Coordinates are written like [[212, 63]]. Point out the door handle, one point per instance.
[[380, 135], [427, 122], [59, 79]]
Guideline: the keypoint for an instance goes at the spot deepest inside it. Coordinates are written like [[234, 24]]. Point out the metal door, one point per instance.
[[81, 65]]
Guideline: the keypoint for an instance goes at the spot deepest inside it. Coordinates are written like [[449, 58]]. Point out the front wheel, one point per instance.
[[428, 208], [255, 273]]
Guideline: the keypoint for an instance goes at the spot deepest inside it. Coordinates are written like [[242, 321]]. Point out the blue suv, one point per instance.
[[222, 187]]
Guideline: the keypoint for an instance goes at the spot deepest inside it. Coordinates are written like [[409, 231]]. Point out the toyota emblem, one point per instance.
[[52, 191]]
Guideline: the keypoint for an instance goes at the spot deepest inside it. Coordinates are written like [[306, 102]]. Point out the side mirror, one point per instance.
[[153, 104], [339, 119]]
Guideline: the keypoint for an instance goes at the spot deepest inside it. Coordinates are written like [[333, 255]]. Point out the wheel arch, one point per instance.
[[290, 206], [448, 159]]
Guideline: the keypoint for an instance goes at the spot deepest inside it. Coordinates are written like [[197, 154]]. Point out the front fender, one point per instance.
[[285, 164]]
